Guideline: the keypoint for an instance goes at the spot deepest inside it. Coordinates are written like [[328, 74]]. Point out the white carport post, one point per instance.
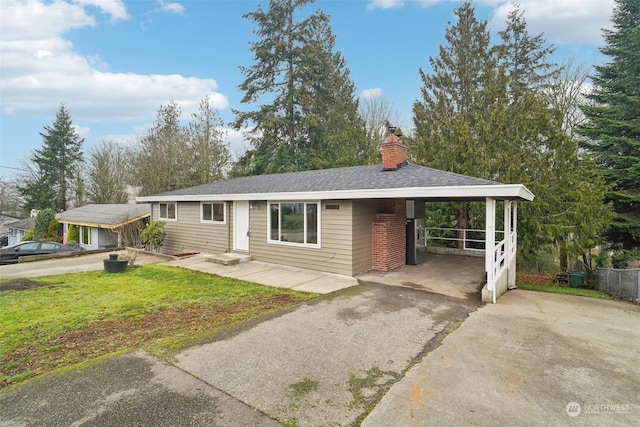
[[490, 245], [507, 239]]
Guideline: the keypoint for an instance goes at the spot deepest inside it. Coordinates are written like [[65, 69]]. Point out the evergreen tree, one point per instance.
[[613, 128], [55, 166], [446, 117], [506, 129], [310, 118], [525, 58]]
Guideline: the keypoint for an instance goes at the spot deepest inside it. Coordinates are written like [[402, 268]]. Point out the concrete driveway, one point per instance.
[[71, 264]]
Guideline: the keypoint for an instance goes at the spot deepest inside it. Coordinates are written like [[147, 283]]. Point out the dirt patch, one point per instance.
[[21, 284], [535, 279], [185, 254]]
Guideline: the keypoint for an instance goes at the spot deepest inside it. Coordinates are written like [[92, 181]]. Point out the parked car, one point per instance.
[[10, 254]]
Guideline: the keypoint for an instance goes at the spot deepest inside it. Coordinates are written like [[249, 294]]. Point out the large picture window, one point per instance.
[[294, 223], [168, 211], [212, 212]]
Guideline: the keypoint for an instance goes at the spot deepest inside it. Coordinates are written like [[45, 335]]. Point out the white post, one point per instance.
[[490, 245], [507, 240]]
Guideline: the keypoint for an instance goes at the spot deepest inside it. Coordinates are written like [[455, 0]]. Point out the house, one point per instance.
[[105, 225], [345, 220], [17, 229], [4, 229]]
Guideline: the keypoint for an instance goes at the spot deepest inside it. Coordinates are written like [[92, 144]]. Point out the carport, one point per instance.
[[497, 249]]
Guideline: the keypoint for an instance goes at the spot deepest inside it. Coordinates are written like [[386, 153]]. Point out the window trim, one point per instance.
[[212, 221], [318, 204], [161, 218]]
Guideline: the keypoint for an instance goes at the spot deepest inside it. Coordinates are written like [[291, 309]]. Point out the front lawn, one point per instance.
[[58, 321]]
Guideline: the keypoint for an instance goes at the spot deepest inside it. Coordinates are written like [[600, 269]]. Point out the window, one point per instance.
[[212, 212], [168, 211], [84, 234], [294, 223], [48, 246]]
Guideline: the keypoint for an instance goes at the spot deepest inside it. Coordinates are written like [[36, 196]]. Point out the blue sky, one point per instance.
[[113, 63]]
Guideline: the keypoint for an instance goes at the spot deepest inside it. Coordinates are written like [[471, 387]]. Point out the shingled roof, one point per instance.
[[105, 215], [357, 182]]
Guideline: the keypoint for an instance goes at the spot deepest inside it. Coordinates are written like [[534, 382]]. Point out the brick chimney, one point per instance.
[[394, 153]]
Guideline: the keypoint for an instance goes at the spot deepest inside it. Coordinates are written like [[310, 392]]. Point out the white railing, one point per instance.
[[437, 235]]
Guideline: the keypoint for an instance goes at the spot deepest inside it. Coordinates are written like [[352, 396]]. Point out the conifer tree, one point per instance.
[[54, 165], [613, 129], [308, 118]]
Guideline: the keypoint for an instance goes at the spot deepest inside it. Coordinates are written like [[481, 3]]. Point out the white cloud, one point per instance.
[[171, 7], [562, 21], [385, 4], [237, 142], [115, 8], [40, 69], [375, 92]]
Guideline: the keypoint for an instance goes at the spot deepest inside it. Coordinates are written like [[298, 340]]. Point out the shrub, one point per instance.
[[72, 235], [54, 231], [29, 235], [153, 235]]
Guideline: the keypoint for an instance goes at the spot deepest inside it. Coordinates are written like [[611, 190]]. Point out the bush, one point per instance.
[[54, 231], [29, 235], [625, 258], [153, 235], [72, 234]]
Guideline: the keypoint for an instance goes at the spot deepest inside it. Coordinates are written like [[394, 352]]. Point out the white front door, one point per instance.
[[241, 226]]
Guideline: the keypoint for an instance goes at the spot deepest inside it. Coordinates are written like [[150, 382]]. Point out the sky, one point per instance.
[[114, 63]]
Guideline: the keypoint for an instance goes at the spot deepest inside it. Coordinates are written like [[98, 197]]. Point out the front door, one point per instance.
[[241, 226]]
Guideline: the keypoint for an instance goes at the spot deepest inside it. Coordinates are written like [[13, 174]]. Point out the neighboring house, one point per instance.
[[4, 229], [17, 229], [345, 220], [104, 225]]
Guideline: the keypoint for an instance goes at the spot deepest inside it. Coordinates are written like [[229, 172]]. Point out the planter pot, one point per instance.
[[115, 266], [113, 257]]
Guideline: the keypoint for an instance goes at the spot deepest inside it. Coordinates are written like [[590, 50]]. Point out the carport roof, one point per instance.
[[105, 215], [357, 182]]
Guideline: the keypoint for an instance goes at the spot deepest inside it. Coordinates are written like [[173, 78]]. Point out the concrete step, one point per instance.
[[230, 258]]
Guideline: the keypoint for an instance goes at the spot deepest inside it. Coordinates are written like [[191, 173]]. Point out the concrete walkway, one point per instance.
[[281, 276], [299, 279]]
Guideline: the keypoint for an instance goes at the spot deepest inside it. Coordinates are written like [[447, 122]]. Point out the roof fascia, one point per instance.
[[499, 191]]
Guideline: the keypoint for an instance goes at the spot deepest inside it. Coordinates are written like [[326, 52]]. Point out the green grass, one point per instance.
[[563, 290], [84, 315]]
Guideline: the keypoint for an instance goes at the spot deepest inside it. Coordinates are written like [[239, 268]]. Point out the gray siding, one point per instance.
[[188, 234], [335, 254], [364, 215], [107, 238]]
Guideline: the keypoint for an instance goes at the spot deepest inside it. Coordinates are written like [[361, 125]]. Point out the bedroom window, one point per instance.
[[212, 212], [295, 223], [168, 211]]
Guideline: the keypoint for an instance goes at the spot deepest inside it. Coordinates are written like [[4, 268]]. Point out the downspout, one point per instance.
[[228, 227]]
